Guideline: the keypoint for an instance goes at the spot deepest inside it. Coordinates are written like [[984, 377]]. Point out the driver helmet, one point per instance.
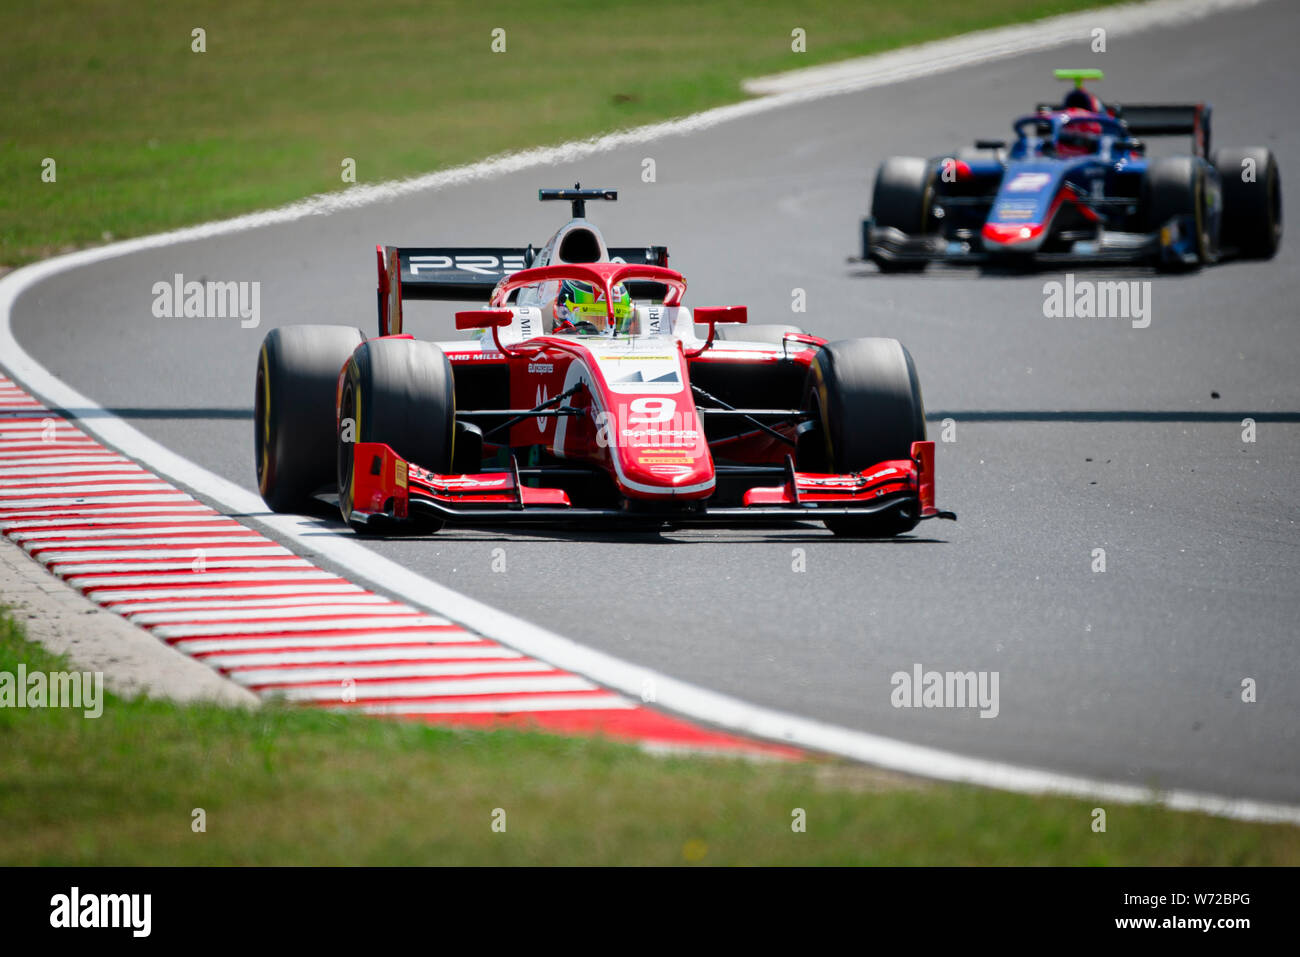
[[1081, 99], [1078, 137], [580, 309]]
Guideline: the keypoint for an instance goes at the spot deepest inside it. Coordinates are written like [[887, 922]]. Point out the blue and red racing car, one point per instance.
[[588, 391], [1076, 184]]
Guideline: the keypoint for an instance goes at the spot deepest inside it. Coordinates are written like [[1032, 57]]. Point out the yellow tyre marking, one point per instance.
[[266, 418]]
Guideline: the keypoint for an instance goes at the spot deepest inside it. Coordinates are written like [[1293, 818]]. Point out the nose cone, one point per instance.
[[1017, 236], [672, 464]]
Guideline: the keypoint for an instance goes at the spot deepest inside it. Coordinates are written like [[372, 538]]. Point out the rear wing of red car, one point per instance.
[[467, 274]]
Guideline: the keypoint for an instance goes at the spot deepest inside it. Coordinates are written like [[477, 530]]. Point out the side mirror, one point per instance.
[[711, 314], [484, 318], [990, 144]]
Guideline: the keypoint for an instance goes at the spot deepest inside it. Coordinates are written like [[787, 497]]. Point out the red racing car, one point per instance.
[[590, 392]]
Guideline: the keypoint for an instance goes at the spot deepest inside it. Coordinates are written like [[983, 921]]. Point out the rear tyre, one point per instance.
[[902, 197], [293, 411], [399, 392], [1176, 186], [1252, 211], [867, 408]]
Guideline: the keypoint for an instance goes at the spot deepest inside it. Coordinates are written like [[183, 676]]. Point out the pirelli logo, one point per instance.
[[399, 473]]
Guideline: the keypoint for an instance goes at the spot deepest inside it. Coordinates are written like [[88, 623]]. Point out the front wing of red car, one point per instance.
[[386, 488]]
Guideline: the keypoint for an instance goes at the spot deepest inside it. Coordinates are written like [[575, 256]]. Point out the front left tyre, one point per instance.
[[1252, 200], [293, 411]]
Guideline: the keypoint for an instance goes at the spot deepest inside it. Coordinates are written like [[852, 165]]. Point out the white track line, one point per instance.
[[297, 612], [128, 547], [266, 677], [116, 541], [77, 518], [110, 597], [128, 550], [57, 530], [67, 453], [92, 582], [234, 603], [359, 656], [504, 705], [689, 700], [308, 642], [445, 688], [79, 569], [11, 474], [289, 627]]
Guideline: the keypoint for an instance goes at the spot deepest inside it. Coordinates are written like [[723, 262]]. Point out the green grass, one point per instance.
[[282, 786], [148, 135]]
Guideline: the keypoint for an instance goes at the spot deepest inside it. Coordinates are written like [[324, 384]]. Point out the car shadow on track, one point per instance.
[[678, 536], [491, 534], [180, 413], [1107, 415], [326, 515]]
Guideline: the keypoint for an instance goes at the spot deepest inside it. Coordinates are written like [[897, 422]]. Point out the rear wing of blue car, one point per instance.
[[1162, 119], [469, 274], [1170, 120]]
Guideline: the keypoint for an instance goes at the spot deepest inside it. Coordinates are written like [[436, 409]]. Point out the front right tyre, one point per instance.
[[399, 392], [1180, 186], [901, 198], [865, 400]]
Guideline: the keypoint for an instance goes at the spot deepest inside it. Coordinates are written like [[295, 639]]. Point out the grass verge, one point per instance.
[[147, 134], [287, 786]]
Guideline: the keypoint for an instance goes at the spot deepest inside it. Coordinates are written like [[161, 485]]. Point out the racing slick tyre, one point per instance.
[[399, 392], [902, 197], [866, 403], [773, 333], [1252, 208], [1175, 186], [293, 411]]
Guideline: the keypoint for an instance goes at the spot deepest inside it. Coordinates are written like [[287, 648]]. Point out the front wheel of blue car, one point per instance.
[[1185, 189], [865, 398], [902, 200], [1252, 200]]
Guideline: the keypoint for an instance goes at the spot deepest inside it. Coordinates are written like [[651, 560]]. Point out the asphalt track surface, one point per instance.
[[1071, 434]]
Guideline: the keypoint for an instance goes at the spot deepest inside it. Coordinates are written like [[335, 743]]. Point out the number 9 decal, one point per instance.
[[646, 410]]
